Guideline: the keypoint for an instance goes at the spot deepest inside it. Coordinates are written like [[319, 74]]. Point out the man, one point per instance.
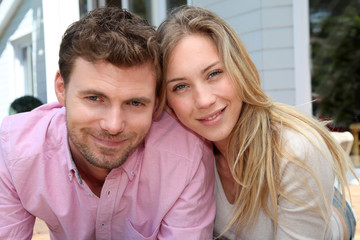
[[96, 167], [24, 104]]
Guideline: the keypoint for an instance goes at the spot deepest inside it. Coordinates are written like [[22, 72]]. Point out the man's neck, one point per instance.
[[92, 175], [95, 180]]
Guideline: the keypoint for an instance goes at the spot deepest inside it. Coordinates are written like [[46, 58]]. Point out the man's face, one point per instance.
[[108, 110]]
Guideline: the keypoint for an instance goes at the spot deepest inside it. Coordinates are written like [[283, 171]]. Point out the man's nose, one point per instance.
[[113, 121]]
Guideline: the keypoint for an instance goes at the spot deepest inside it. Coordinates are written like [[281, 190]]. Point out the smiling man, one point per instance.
[[96, 165]]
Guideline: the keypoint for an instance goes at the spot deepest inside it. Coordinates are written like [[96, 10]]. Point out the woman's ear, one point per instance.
[[60, 88]]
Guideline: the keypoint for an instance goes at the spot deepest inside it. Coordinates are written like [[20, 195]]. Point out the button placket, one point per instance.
[[107, 203]]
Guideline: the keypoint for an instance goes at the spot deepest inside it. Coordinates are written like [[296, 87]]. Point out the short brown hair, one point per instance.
[[109, 34]]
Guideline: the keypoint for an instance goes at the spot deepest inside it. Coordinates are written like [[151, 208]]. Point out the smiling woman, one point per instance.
[[199, 89], [275, 166]]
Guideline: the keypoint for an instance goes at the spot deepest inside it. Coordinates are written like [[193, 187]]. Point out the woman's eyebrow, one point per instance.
[[210, 66], [203, 71], [175, 80]]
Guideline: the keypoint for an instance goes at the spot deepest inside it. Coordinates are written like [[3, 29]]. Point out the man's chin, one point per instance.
[[107, 164], [110, 159]]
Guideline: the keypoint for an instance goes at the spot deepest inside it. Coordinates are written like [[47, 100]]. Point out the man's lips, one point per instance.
[[108, 141]]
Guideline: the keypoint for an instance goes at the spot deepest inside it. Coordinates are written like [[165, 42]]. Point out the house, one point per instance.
[[275, 32]]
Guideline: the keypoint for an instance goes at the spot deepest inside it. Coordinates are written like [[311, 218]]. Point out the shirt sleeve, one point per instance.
[[192, 216], [310, 219], [15, 221]]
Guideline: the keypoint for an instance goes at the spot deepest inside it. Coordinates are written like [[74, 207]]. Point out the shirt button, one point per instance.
[[103, 224], [132, 173], [108, 193]]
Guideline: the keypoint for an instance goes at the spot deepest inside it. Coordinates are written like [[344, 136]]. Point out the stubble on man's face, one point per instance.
[[109, 111], [104, 157]]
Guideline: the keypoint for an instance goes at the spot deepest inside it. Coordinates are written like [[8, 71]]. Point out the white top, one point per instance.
[[300, 222]]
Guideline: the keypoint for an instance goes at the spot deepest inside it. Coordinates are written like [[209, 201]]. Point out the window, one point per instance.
[[113, 3], [141, 7], [27, 65], [170, 4], [84, 7], [25, 81], [153, 11], [87, 5]]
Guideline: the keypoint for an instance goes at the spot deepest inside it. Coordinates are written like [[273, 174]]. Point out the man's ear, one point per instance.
[[60, 88]]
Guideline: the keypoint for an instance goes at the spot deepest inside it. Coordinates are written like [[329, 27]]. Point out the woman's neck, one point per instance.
[[221, 147], [225, 175]]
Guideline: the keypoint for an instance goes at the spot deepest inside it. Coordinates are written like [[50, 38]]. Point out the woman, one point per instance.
[[275, 167]]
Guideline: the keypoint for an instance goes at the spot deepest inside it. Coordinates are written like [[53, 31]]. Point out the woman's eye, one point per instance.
[[179, 87], [214, 73]]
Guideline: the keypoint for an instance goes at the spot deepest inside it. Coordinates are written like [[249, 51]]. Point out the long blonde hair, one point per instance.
[[255, 151]]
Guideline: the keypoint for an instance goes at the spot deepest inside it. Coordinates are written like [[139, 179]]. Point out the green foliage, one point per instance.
[[336, 62]]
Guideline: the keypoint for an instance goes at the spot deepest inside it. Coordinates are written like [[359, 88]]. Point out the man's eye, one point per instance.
[[135, 103], [93, 98]]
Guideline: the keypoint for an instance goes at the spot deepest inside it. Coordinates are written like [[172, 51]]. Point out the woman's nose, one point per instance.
[[204, 98]]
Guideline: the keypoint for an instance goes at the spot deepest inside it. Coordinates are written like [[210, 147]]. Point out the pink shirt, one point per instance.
[[163, 191]]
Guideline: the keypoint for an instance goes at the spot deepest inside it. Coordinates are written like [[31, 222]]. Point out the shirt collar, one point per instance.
[[132, 163], [71, 164]]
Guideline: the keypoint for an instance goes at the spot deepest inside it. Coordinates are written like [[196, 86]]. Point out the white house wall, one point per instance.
[[267, 29], [58, 15], [26, 22]]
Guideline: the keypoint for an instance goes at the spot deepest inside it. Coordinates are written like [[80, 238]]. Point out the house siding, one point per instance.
[[25, 23]]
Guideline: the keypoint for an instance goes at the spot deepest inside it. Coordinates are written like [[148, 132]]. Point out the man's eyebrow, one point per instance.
[[98, 93], [140, 99], [203, 71], [92, 92]]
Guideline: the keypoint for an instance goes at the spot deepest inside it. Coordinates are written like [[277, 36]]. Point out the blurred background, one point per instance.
[[307, 51]]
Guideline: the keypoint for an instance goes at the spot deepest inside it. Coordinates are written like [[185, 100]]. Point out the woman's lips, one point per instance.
[[213, 116]]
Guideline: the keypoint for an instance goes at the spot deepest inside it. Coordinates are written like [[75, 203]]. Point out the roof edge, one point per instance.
[[7, 11]]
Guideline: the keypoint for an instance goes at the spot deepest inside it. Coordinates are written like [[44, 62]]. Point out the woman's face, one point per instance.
[[199, 90]]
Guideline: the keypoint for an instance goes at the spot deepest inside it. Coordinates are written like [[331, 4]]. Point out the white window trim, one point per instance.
[[19, 76], [302, 56]]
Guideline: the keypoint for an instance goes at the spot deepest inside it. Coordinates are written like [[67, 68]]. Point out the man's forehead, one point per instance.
[[110, 81]]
